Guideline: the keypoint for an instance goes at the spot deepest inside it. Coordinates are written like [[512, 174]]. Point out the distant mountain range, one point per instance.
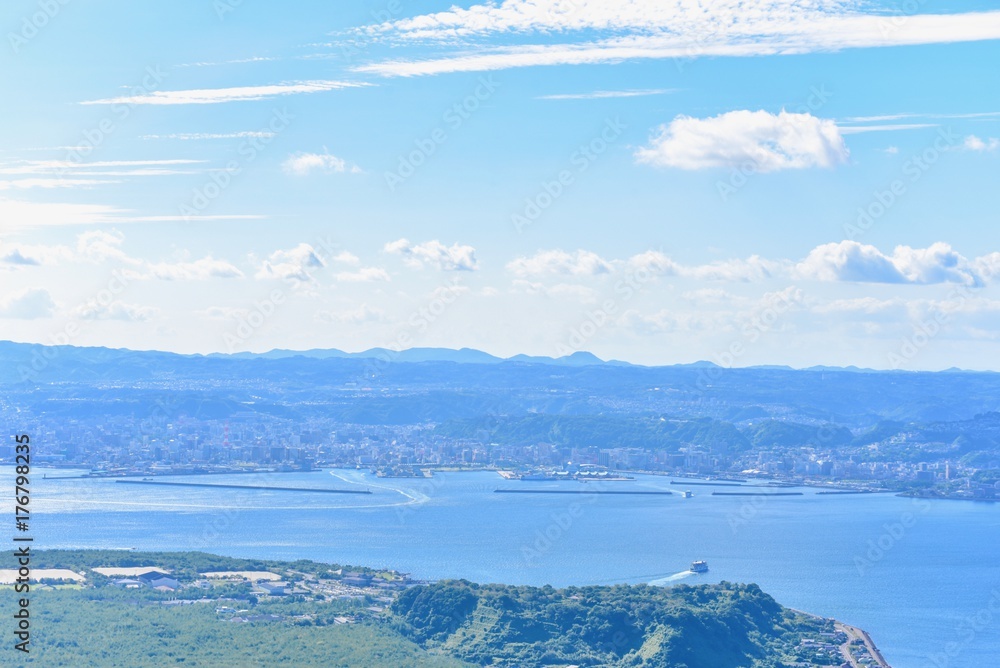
[[9, 349], [469, 394], [460, 356]]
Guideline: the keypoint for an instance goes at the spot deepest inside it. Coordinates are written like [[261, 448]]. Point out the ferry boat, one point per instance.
[[687, 494], [699, 566]]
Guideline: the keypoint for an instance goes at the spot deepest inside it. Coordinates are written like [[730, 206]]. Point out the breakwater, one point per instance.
[[261, 487], [757, 493], [664, 492]]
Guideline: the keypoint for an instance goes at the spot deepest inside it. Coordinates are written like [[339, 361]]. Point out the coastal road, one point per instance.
[[854, 633]]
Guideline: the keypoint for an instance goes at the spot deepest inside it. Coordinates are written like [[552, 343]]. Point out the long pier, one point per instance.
[[706, 483], [757, 494], [582, 491], [263, 487]]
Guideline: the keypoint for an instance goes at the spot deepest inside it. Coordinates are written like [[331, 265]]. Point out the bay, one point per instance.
[[920, 576]]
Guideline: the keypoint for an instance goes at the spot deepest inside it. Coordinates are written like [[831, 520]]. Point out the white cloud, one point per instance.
[[974, 143], [49, 183], [559, 262], [67, 168], [34, 255], [456, 257], [293, 264], [754, 268], [988, 266], [852, 261], [863, 307], [710, 296], [301, 164], [346, 257], [100, 246], [653, 262], [363, 275], [769, 142], [360, 315], [20, 214], [103, 247], [189, 136], [116, 310], [561, 291], [605, 94], [27, 305], [889, 127], [610, 31], [235, 94], [198, 270]]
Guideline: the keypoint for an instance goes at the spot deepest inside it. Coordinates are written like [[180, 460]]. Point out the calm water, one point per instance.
[[928, 592]]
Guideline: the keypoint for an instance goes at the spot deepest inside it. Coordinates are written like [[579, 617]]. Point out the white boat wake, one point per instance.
[[672, 578], [412, 496]]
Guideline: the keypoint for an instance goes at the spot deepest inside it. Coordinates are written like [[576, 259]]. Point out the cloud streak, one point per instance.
[[650, 29], [234, 94]]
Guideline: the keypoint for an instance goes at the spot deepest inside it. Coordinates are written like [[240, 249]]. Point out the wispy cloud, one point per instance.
[[106, 247], [21, 214], [648, 29], [606, 94], [48, 183], [363, 275], [117, 167], [235, 94], [190, 136], [889, 127]]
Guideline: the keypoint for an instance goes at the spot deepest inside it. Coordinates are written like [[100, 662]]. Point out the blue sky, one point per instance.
[[753, 183]]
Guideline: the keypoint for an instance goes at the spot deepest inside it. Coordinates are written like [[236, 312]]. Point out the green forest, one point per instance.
[[450, 623]]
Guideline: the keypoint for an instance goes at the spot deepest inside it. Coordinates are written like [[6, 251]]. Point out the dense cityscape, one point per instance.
[[248, 442]]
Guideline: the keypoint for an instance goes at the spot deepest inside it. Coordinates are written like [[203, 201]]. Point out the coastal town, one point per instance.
[[248, 443]]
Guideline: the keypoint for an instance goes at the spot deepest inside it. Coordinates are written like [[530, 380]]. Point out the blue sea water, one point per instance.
[[922, 577]]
